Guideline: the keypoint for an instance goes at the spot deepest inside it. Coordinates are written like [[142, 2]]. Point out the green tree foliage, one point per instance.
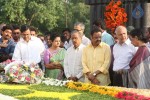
[[46, 15]]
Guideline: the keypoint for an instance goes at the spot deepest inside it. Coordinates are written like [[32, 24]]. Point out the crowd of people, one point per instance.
[[118, 59]]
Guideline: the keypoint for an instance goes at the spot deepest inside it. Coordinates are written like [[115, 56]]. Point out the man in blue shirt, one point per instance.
[[106, 37], [7, 45]]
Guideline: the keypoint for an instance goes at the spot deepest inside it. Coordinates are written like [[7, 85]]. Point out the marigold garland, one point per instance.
[[115, 15], [117, 92], [94, 88]]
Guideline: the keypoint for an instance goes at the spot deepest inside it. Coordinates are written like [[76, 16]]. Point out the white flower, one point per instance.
[[22, 79], [32, 69], [14, 67]]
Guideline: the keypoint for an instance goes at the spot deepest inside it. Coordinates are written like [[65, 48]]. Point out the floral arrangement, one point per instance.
[[115, 15], [54, 82], [131, 96], [116, 92], [93, 88], [20, 72], [3, 64]]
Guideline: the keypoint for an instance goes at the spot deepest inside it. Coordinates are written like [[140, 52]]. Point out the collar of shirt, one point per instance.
[[104, 33], [127, 42], [100, 45], [79, 47], [31, 39]]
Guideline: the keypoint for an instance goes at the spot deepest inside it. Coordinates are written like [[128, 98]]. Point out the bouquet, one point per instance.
[[4, 63], [21, 72]]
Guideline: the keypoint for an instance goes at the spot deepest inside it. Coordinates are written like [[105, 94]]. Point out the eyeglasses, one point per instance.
[[78, 30]]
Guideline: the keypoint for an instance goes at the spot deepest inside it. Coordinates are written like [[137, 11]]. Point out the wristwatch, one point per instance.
[[94, 74]]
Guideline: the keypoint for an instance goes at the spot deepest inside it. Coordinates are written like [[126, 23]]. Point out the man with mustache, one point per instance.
[[96, 60], [7, 46], [72, 62]]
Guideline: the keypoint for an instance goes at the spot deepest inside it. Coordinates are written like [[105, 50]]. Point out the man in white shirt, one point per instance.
[[123, 51], [81, 27], [29, 48], [72, 62]]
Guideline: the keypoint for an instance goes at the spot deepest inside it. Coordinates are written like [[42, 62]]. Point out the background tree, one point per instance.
[[46, 15]]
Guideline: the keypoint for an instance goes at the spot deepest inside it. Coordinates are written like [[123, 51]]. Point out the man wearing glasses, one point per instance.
[[80, 27]]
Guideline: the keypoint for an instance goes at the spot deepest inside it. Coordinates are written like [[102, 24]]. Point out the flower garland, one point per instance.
[[116, 92], [115, 15], [94, 88]]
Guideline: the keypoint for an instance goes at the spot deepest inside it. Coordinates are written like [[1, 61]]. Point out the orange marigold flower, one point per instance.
[[124, 15], [125, 19], [118, 3], [115, 15], [115, 6]]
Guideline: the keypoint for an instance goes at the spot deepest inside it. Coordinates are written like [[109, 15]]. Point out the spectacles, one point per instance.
[[78, 30]]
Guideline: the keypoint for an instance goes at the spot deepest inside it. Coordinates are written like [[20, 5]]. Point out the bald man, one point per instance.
[[123, 51]]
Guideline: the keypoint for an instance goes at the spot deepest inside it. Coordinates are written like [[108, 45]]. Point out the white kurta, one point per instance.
[[29, 51], [73, 64]]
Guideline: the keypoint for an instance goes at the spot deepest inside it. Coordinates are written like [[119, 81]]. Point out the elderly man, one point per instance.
[[123, 51], [72, 62], [96, 60], [29, 48], [7, 46], [81, 27]]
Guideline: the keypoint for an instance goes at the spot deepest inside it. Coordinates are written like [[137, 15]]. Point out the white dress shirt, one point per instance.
[[85, 40], [29, 51], [72, 62], [67, 45], [123, 55]]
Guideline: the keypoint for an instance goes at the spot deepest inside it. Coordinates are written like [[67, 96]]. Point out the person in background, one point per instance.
[[81, 27], [29, 48], [111, 72], [16, 33], [106, 37], [73, 58], [63, 40], [7, 46], [41, 37], [147, 34], [48, 40], [54, 58], [123, 52], [96, 60], [1, 26], [33, 31], [67, 35], [129, 29], [139, 71]]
